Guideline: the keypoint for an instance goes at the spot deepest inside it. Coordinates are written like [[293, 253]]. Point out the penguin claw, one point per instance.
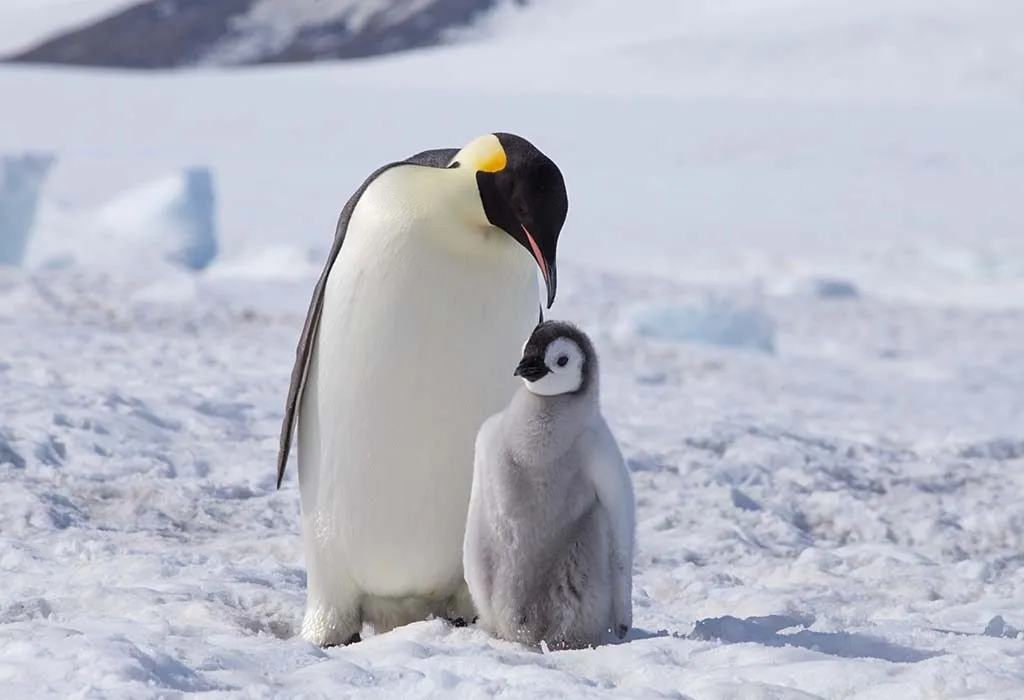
[[354, 639], [461, 621], [621, 631]]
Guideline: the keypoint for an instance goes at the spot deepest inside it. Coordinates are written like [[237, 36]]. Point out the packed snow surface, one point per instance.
[[840, 519], [810, 313]]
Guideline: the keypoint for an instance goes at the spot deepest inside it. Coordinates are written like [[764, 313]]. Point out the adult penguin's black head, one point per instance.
[[523, 193]]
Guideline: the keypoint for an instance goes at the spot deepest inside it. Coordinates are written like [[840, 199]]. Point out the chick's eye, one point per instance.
[[563, 360]]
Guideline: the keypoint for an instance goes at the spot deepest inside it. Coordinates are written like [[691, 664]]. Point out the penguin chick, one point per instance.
[[548, 550]]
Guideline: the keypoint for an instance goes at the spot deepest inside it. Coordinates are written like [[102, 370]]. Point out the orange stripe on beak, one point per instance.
[[547, 272], [538, 256]]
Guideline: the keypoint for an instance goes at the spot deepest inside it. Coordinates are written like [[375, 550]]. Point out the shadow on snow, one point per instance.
[[767, 630]]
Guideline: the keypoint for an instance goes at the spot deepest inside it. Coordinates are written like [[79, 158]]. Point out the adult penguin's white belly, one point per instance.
[[420, 332]]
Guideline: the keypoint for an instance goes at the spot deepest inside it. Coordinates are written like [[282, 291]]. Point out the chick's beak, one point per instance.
[[531, 368]]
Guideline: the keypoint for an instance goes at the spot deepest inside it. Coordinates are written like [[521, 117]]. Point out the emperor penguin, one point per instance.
[[427, 295], [549, 542]]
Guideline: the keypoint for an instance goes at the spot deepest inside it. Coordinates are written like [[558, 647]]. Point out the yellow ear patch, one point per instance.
[[484, 153]]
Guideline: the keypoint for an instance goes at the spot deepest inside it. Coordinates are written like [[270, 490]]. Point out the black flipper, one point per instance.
[[437, 158]]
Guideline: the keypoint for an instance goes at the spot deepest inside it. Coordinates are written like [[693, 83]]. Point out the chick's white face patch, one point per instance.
[[564, 360]]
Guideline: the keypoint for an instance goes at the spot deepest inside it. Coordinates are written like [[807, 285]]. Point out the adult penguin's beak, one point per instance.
[[546, 264]]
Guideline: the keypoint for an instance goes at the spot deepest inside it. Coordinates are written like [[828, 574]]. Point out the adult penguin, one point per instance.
[[428, 294]]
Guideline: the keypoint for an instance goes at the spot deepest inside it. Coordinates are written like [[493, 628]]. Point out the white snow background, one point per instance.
[[796, 233]]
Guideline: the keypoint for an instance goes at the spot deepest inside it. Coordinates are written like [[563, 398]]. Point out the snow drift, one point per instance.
[[169, 222], [174, 216], [712, 321]]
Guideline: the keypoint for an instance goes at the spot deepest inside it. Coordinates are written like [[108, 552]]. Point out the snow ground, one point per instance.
[[819, 393], [861, 483]]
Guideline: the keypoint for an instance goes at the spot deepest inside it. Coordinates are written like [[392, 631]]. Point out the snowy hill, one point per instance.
[[176, 33], [795, 233]]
